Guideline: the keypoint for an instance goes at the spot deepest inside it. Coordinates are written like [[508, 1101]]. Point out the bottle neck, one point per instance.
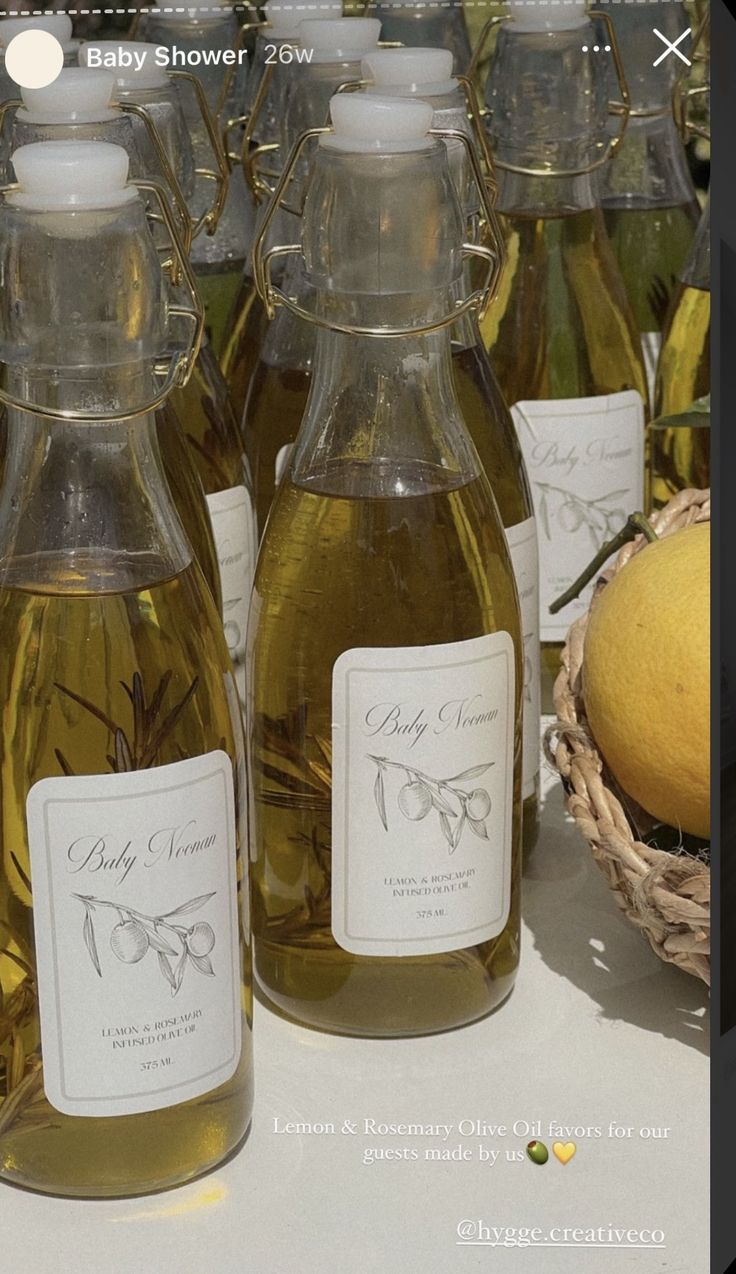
[[86, 332], [382, 418], [544, 196], [117, 131], [650, 167], [381, 240], [85, 506], [165, 111]]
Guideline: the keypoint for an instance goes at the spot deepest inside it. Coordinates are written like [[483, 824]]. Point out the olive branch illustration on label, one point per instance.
[[573, 512], [420, 794], [136, 934]]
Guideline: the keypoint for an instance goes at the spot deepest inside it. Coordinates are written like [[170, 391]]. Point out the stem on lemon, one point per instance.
[[636, 524]]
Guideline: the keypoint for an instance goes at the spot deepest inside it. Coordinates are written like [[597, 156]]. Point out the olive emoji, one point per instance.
[[537, 1152]]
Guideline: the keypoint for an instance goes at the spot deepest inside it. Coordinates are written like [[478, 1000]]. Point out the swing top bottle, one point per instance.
[[385, 523], [122, 719]]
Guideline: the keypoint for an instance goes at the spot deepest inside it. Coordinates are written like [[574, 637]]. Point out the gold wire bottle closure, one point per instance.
[[479, 298]]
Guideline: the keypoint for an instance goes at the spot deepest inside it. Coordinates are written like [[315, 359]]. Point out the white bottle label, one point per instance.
[[231, 513], [422, 802], [651, 344], [585, 460], [524, 550], [136, 929], [282, 459]]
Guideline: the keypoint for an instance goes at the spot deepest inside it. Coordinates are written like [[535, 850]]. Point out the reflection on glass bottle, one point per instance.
[[561, 334], [121, 719], [385, 643], [646, 191]]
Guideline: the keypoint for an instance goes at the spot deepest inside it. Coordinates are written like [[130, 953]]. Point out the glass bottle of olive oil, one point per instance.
[[384, 640], [427, 74], [646, 192], [125, 1040], [561, 335]]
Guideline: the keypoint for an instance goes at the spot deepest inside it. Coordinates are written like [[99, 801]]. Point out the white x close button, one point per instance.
[[672, 47]]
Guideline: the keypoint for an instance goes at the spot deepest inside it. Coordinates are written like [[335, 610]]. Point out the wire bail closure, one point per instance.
[[620, 110], [477, 302], [228, 124], [174, 370], [220, 174], [250, 155]]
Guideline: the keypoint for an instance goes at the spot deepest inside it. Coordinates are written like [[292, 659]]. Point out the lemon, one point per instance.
[[646, 678]]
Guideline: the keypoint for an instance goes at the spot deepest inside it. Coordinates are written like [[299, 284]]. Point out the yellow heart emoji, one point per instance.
[[564, 1150]]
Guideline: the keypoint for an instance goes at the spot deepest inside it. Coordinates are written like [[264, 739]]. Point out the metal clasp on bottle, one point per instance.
[[230, 123], [174, 370], [272, 296], [220, 174], [251, 155], [620, 110]]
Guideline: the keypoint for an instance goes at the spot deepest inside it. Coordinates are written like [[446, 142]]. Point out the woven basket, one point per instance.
[[666, 895]]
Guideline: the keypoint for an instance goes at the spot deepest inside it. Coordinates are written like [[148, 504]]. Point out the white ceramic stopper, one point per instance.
[[385, 124], [77, 96], [339, 39], [56, 24], [425, 71], [70, 175], [547, 15], [285, 17], [132, 62]]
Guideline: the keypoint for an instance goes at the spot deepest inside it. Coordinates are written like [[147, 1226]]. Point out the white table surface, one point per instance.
[[596, 1031]]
